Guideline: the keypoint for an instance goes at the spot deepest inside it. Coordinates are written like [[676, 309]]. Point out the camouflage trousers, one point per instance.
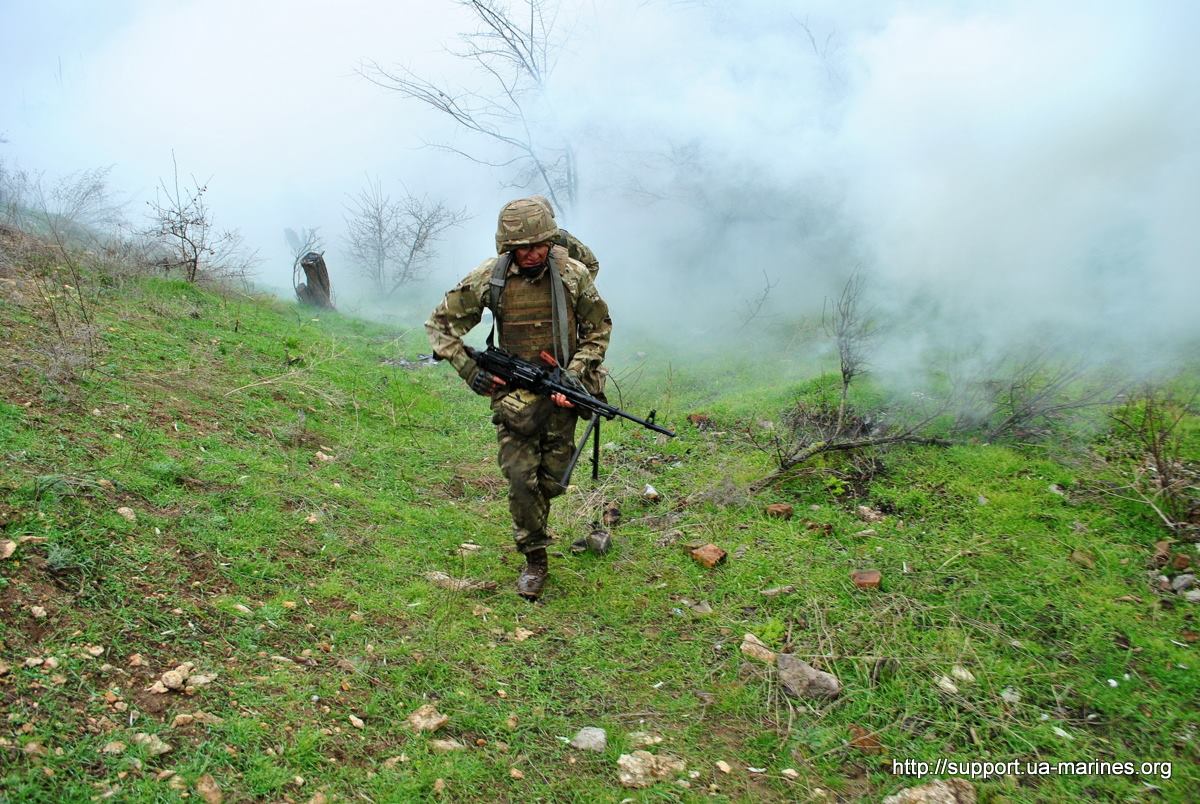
[[536, 441]]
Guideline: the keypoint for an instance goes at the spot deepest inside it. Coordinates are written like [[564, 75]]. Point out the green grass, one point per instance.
[[247, 548]]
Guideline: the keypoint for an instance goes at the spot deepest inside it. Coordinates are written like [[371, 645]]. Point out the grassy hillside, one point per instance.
[[259, 491]]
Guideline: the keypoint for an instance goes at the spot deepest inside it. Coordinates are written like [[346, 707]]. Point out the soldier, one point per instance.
[[535, 433]]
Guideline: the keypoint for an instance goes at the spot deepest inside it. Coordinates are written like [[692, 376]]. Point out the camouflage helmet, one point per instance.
[[522, 223], [544, 201]]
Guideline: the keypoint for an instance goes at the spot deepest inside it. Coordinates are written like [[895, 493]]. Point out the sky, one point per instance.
[[1001, 173]]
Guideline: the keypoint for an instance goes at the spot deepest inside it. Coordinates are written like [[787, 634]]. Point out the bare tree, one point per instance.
[[182, 226], [512, 51], [852, 330], [392, 241]]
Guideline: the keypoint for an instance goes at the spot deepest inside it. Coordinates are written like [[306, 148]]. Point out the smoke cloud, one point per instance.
[[1001, 173]]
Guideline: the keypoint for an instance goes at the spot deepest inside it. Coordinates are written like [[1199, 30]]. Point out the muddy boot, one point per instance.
[[533, 577]]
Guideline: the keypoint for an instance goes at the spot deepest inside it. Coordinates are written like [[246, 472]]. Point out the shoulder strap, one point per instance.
[[558, 313], [496, 290]]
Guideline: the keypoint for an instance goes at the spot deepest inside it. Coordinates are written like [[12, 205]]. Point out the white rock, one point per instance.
[[590, 738], [801, 679], [946, 685], [939, 791]]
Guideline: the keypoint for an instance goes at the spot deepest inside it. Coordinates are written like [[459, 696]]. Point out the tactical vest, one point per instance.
[[525, 317]]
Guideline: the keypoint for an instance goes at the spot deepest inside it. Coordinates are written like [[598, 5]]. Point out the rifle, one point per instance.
[[548, 379]]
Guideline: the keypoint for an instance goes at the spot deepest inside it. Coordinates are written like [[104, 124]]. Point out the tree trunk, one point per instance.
[[317, 291]]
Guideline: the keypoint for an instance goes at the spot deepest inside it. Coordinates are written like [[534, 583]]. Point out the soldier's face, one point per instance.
[[531, 256]]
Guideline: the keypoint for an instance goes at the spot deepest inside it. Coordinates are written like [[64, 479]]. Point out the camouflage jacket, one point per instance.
[[463, 307], [578, 251]]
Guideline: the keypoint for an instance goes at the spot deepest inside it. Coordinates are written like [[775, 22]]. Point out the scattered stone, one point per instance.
[[1181, 561], [644, 739], [962, 674], [288, 604], [790, 773], [453, 584], [34, 661], [702, 608], [1083, 559], [468, 548], [173, 680], [946, 685], [780, 511], [865, 740], [200, 679], [866, 579], [650, 493], [391, 762], [1010, 696], [521, 634], [753, 647], [801, 679], [1182, 583], [137, 660], [740, 552], [38, 612], [516, 773], [862, 534], [323, 457], [95, 651], [445, 746], [115, 747], [590, 738], [439, 786], [868, 514], [709, 555], [243, 608], [357, 722], [723, 766], [51, 663], [427, 718], [7, 548], [611, 516], [776, 591], [5, 668], [1060, 732], [154, 744], [1054, 488], [207, 787], [669, 538], [981, 500], [642, 769], [939, 791], [1162, 552], [127, 513], [1192, 596]]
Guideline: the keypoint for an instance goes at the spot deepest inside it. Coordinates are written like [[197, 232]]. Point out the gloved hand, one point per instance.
[[484, 383]]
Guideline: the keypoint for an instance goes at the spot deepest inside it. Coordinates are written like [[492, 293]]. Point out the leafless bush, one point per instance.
[[814, 427], [1030, 397], [1160, 476], [392, 241], [182, 229], [60, 231]]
